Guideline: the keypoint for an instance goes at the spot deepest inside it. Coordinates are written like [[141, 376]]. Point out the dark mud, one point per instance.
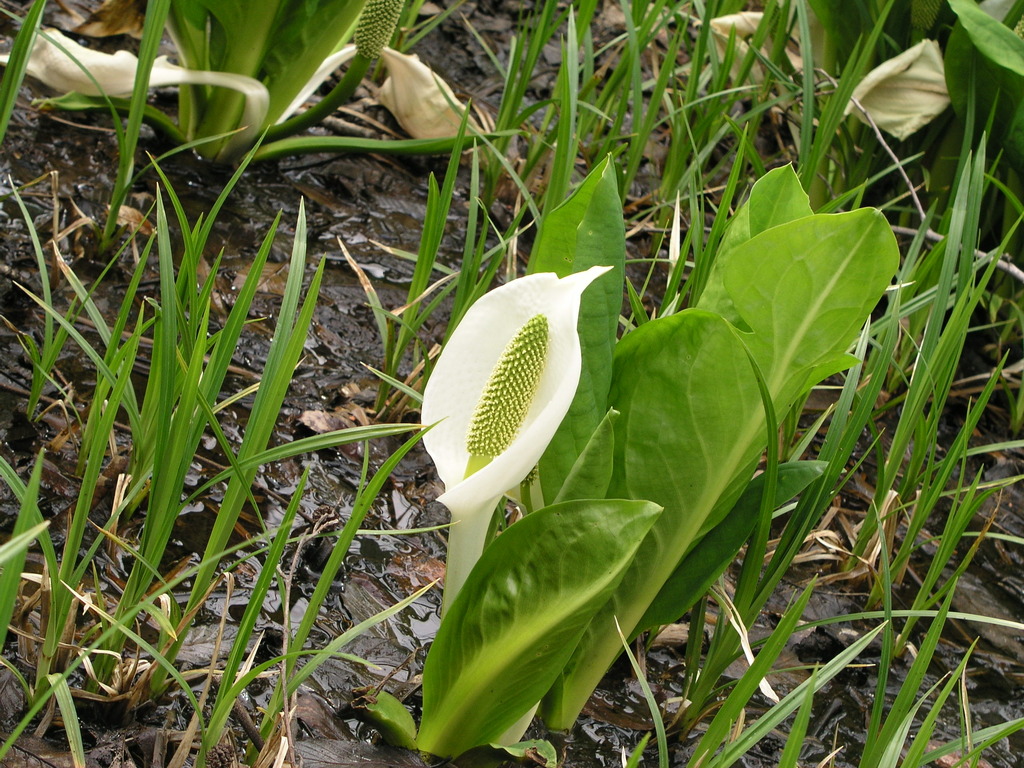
[[367, 203]]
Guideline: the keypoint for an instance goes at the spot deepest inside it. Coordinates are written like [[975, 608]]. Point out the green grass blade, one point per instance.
[[14, 550], [66, 704], [14, 72], [652, 703]]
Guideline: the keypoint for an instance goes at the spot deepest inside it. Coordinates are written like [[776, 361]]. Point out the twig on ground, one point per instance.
[[899, 163], [1004, 264]]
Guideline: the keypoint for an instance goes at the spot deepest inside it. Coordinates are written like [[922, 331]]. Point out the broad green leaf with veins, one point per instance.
[[520, 614]]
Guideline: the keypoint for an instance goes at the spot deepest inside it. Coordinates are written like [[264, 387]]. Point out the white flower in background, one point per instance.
[[905, 93], [500, 389], [422, 103], [62, 64], [744, 25], [997, 9]]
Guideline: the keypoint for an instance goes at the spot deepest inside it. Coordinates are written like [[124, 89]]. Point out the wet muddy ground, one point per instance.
[[370, 202]]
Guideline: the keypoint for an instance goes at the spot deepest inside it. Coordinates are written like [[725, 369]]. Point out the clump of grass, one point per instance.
[[178, 406]]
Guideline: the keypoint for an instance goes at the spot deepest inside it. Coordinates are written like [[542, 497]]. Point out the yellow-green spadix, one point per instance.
[[498, 392]]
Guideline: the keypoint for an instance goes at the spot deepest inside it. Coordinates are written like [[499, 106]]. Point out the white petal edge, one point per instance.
[[422, 103], [328, 66], [454, 389]]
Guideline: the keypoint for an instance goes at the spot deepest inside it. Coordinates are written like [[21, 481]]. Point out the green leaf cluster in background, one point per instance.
[[985, 76]]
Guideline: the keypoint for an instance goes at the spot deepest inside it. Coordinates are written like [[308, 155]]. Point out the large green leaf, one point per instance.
[[803, 290], [591, 475], [776, 198], [995, 41], [689, 435], [307, 32], [282, 43], [519, 616], [709, 557], [585, 231], [985, 59]]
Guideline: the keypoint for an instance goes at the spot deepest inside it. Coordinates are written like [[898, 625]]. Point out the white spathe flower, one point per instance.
[[997, 9], [422, 103], [542, 309], [62, 64], [905, 93], [744, 25]]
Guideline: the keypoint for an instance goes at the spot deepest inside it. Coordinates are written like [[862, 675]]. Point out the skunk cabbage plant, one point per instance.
[[652, 492], [60, 63], [422, 103], [284, 44], [246, 69]]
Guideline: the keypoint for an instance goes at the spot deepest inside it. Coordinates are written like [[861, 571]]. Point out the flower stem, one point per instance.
[[467, 538]]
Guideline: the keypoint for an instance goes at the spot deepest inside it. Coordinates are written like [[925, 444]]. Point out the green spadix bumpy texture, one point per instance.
[[923, 13], [509, 391], [376, 25]]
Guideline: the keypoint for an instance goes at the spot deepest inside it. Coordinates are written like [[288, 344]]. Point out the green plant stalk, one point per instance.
[[518, 74], [797, 733], [438, 204], [733, 751], [14, 551], [282, 45], [71, 569], [731, 711], [222, 706], [171, 399], [300, 145], [652, 702], [914, 755], [966, 506], [285, 351], [883, 735], [52, 342], [647, 106], [151, 116], [105, 638], [818, 130], [339, 95], [563, 159], [937, 358]]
